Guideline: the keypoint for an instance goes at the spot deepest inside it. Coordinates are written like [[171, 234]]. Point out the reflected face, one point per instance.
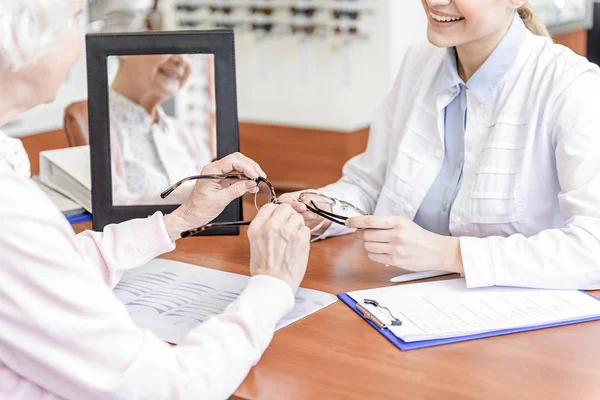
[[159, 133], [453, 23], [161, 74]]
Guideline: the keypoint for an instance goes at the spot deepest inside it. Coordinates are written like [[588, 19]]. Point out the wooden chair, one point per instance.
[[76, 124]]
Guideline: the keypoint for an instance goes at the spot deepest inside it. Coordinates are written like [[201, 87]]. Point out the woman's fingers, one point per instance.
[[377, 248], [375, 235], [236, 162], [261, 218], [380, 258], [239, 189]]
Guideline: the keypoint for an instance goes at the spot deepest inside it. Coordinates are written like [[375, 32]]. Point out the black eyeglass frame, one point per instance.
[[336, 218]]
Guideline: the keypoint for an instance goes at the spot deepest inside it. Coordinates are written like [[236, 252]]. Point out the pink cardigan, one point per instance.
[[64, 335]]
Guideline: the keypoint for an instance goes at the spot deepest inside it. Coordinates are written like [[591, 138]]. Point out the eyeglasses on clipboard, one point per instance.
[[361, 306]]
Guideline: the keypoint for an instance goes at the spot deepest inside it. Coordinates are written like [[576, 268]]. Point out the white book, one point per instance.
[[68, 172], [67, 206]]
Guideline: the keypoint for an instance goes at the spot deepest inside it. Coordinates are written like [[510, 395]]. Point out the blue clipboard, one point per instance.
[[402, 345], [76, 219]]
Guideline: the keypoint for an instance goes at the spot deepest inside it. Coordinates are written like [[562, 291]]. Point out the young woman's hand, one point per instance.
[[209, 198], [312, 220], [400, 242]]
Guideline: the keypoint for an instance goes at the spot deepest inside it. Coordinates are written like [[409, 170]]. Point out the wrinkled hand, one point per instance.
[[402, 243], [279, 244], [209, 198], [313, 221]]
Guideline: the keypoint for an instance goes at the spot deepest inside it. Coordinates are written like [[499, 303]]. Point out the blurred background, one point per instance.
[[310, 73]]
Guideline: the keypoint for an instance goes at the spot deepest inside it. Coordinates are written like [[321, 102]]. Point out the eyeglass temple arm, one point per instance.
[[329, 216], [196, 177], [192, 232], [343, 218]]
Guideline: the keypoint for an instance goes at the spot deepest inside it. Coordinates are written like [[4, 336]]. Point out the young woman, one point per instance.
[[483, 159], [63, 334]]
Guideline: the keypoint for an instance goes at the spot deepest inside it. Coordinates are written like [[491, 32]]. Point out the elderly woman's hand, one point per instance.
[[209, 198], [279, 244]]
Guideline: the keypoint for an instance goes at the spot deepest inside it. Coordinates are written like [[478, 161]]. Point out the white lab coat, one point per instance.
[[528, 210]]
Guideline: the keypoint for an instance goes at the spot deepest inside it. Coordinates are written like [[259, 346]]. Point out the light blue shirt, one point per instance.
[[434, 212]]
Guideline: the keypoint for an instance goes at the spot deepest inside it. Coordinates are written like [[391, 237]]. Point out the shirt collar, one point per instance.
[[487, 78], [122, 107]]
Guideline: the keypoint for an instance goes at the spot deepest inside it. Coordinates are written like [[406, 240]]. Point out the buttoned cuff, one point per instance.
[[477, 262]]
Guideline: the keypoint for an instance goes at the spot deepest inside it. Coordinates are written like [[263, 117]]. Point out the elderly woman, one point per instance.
[[63, 334], [150, 150]]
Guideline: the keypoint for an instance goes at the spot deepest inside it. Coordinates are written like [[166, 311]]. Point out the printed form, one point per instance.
[[445, 309], [170, 298]]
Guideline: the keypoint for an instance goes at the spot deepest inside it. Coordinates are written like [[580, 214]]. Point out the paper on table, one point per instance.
[[170, 298], [445, 309]]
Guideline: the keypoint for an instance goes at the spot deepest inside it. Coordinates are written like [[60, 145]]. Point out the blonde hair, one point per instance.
[[532, 21]]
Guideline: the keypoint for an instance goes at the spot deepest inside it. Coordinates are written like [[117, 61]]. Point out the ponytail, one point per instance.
[[532, 21]]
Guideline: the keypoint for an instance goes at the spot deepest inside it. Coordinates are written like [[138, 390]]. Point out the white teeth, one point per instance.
[[171, 75], [441, 18]]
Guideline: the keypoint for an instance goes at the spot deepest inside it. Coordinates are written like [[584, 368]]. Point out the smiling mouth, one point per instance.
[[445, 18], [170, 74]]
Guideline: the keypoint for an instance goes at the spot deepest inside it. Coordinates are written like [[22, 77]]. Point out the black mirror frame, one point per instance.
[[99, 47]]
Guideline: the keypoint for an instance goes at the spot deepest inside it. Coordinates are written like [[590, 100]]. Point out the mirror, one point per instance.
[[162, 115], [161, 106]]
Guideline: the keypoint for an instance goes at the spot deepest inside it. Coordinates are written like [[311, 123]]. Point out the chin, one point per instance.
[[169, 91], [438, 40], [50, 98]]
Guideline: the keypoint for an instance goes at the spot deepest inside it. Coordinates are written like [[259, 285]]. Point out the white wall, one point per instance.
[[284, 80], [316, 83], [312, 83], [409, 26]]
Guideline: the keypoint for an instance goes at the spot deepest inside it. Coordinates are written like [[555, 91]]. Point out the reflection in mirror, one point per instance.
[[162, 124]]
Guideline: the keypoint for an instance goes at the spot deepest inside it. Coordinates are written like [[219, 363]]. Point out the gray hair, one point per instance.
[[29, 29]]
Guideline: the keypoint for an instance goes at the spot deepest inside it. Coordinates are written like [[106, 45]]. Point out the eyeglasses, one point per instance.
[[306, 29], [338, 30], [227, 25], [324, 206], [307, 12], [264, 195], [339, 14], [267, 28], [189, 23], [223, 9], [267, 11], [187, 7]]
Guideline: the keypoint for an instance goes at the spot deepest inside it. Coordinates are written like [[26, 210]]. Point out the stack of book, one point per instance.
[[66, 178]]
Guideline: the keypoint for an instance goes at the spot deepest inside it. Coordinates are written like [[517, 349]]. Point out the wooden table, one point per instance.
[[334, 354]]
